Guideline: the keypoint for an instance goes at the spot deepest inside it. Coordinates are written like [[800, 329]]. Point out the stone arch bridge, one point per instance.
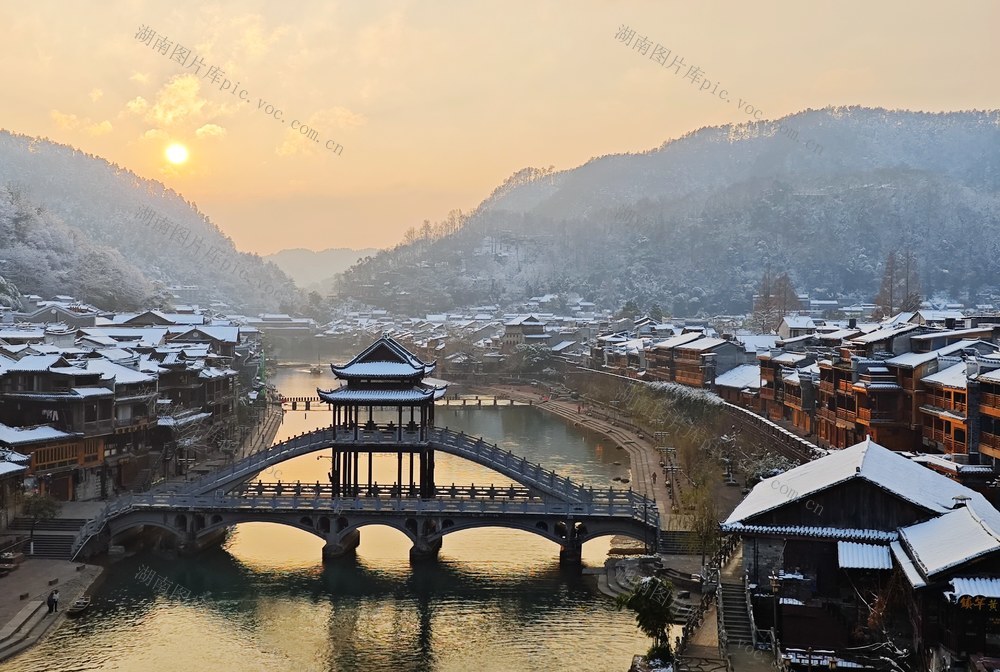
[[543, 503]]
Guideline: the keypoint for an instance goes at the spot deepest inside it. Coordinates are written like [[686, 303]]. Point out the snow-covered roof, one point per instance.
[[953, 376], [884, 333], [123, 375], [788, 358], [742, 377], [9, 468], [906, 564], [680, 339], [910, 360], [92, 392], [20, 436], [940, 315], [958, 536], [754, 342], [703, 344], [35, 363], [389, 396], [975, 587], [866, 460], [799, 321], [852, 555], [838, 533]]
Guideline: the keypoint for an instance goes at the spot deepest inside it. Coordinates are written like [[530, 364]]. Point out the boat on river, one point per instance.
[[78, 607]]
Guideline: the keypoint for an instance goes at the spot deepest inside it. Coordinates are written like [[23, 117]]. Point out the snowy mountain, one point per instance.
[[72, 223], [822, 194]]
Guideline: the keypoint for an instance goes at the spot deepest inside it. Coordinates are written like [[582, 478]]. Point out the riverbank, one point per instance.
[[644, 460], [24, 617]]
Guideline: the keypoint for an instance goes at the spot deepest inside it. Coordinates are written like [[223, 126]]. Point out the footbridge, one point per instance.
[[542, 502], [384, 439]]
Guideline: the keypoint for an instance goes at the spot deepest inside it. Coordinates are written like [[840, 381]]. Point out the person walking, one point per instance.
[[50, 601], [55, 600]]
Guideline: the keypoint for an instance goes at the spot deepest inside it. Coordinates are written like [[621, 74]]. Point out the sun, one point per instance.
[[176, 153]]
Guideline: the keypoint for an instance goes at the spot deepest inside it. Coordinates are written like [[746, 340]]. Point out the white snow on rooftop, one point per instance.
[[13, 436], [953, 376], [866, 460], [744, 376], [975, 587], [958, 536], [852, 555]]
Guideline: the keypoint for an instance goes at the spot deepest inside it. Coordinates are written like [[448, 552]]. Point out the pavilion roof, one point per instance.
[[381, 396], [386, 358]]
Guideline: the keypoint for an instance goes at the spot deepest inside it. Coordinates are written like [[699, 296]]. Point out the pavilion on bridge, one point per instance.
[[384, 375]]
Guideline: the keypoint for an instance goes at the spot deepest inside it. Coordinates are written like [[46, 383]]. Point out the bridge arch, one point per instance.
[[474, 449]]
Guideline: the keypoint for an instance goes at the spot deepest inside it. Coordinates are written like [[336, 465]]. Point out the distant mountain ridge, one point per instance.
[[692, 224], [73, 223], [316, 269]]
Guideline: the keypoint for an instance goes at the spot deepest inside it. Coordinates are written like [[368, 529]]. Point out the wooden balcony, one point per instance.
[[846, 415], [826, 386], [869, 416], [767, 393], [827, 414], [845, 386], [948, 444], [989, 404], [989, 444]]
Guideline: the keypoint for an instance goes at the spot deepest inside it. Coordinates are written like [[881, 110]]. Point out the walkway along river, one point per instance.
[[495, 599]]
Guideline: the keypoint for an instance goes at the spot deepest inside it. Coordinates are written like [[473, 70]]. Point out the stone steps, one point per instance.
[[14, 634]]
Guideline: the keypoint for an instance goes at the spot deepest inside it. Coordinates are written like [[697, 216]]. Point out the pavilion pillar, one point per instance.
[[411, 474], [335, 474], [369, 470], [431, 484], [399, 424], [356, 481], [422, 469], [399, 473], [355, 411]]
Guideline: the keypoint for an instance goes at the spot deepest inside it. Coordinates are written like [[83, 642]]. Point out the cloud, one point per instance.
[[210, 131], [253, 41], [95, 95], [344, 118], [64, 121], [155, 134], [327, 123], [137, 105], [141, 77], [177, 101], [102, 128]]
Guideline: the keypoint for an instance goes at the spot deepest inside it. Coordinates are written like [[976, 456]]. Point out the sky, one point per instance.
[[421, 108]]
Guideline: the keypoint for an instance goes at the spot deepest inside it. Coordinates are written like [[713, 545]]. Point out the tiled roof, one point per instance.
[[975, 587], [832, 533], [852, 555]]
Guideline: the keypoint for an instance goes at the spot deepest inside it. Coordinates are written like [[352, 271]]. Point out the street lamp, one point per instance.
[[833, 663]]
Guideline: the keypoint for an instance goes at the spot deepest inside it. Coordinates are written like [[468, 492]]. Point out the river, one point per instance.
[[496, 599]]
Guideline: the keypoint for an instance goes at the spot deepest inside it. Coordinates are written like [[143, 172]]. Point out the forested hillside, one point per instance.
[[72, 223], [691, 225]]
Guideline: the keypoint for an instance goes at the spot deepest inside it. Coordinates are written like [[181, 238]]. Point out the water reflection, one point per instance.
[[495, 600]]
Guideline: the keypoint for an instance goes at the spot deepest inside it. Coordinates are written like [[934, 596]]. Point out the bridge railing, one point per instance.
[[182, 503], [325, 490]]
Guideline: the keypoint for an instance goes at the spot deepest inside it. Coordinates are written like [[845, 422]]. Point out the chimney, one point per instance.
[[852, 323], [949, 323], [960, 501]]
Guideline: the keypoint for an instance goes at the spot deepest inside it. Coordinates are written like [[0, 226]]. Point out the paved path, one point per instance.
[[32, 577], [643, 457]]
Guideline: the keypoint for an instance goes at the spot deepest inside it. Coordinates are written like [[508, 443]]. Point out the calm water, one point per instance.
[[495, 600]]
